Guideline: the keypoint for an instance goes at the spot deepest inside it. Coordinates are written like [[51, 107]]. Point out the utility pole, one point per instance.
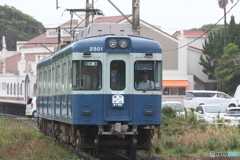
[[87, 13], [59, 34], [136, 17]]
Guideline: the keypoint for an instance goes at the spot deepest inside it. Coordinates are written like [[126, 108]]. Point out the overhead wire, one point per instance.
[[203, 31]]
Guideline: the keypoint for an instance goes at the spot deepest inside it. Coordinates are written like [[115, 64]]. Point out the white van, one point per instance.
[[194, 98], [237, 95], [31, 107]]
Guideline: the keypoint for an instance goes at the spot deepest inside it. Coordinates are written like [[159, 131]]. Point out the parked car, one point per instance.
[[232, 116], [31, 107], [177, 106], [210, 112], [194, 98], [237, 94]]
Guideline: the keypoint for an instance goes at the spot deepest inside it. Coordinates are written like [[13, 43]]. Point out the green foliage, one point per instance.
[[207, 27], [222, 67], [169, 112], [189, 136], [19, 141], [225, 71], [17, 26]]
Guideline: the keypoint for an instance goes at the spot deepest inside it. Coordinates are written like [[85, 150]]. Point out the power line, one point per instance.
[[204, 31]]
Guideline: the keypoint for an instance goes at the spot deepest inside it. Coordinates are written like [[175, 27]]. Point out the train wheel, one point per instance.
[[95, 152], [79, 141], [134, 146], [128, 151]]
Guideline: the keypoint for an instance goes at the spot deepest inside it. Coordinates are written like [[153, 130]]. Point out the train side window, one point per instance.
[[117, 75], [69, 76], [86, 75]]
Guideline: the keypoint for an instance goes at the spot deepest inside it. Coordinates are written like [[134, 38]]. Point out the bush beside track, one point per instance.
[[184, 138]]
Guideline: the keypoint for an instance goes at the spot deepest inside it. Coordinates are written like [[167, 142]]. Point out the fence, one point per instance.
[[226, 120]]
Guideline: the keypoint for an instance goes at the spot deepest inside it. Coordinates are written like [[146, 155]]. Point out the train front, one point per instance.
[[117, 85]]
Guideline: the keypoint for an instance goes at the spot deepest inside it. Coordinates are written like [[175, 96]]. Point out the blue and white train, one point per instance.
[[88, 92]]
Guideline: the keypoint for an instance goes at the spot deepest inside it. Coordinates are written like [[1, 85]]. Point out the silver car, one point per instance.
[[210, 113], [177, 106]]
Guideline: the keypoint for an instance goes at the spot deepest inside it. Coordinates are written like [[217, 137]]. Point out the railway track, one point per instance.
[[32, 122]]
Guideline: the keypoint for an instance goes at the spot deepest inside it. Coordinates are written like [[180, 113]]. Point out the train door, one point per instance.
[[117, 89]]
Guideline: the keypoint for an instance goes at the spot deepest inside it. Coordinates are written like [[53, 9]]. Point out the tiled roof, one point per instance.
[[11, 62], [44, 39], [112, 19], [190, 33]]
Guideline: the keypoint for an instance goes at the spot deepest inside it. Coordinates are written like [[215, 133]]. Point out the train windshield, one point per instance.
[[148, 75], [87, 75]]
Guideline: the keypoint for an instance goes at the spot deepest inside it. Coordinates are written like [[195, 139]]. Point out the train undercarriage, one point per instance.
[[92, 139]]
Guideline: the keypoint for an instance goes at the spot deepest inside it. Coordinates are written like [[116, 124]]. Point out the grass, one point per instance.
[[18, 141], [182, 137]]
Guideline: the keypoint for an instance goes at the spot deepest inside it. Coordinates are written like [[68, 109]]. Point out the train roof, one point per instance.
[[136, 44]]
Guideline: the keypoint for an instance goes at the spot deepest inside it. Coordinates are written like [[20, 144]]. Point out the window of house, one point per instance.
[[18, 89], [7, 88], [66, 32], [52, 33], [174, 90], [21, 89], [11, 88], [14, 89]]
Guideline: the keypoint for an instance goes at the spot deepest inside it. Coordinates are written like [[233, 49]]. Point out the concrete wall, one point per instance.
[[167, 42]]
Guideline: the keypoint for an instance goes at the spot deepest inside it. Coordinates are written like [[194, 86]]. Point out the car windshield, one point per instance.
[[214, 109], [176, 106], [234, 111]]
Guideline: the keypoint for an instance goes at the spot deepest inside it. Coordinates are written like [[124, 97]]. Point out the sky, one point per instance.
[[170, 15]]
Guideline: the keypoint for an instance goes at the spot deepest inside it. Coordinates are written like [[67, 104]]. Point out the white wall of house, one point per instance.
[[39, 49], [182, 60], [194, 67], [9, 93], [191, 40], [196, 43]]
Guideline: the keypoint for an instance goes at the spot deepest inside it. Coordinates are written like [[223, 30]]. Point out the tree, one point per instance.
[[213, 50], [227, 73], [233, 32], [222, 4], [206, 27], [17, 26]]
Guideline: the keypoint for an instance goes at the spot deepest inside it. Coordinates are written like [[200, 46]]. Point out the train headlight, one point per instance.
[[123, 43], [112, 43]]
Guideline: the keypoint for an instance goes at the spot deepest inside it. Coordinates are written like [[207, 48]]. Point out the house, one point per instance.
[[181, 54]]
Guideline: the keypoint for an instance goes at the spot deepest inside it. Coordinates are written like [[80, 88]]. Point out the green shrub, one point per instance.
[[168, 111]]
